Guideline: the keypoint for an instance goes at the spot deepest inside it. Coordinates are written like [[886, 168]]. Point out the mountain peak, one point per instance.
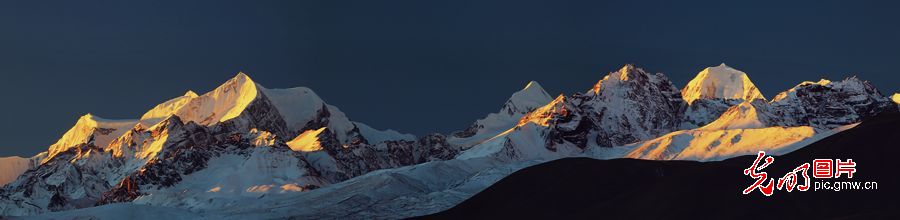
[[167, 108], [533, 85], [529, 98], [241, 75], [627, 73], [191, 93], [223, 103], [626, 70], [92, 130], [721, 82]]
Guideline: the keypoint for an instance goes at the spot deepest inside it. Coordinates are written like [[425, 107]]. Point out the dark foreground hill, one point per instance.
[[628, 188]]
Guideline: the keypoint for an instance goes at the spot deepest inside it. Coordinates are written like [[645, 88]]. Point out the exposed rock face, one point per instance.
[[701, 112], [827, 104], [72, 179], [246, 140], [339, 162], [187, 149], [234, 126], [626, 106]]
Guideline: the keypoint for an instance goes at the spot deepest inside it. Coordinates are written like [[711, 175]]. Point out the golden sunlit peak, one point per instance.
[[627, 67], [241, 74], [821, 82], [623, 73], [191, 93], [720, 82]]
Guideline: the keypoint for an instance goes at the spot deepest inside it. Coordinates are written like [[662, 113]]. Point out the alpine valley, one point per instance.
[[244, 151]]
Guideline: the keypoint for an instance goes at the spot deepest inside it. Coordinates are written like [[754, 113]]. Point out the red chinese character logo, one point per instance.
[[760, 176], [790, 179], [848, 167], [822, 168]]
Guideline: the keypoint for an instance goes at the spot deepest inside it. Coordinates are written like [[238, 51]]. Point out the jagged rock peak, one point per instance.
[[626, 73], [851, 84]]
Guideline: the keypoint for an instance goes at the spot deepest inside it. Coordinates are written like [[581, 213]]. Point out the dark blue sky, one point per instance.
[[411, 65]]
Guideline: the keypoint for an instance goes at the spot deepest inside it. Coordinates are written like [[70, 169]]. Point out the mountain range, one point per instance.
[[246, 151], [652, 189]]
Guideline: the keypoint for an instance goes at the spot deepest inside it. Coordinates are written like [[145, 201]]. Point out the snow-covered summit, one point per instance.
[[827, 104], [167, 108], [720, 82], [223, 103], [91, 129], [529, 98]]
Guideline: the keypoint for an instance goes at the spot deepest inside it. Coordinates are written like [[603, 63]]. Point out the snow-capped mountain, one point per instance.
[[626, 106], [246, 151], [714, 90], [193, 137], [719, 144], [720, 82], [91, 130], [521, 102], [828, 104]]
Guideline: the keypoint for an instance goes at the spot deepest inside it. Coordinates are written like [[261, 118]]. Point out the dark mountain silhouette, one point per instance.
[[642, 189]]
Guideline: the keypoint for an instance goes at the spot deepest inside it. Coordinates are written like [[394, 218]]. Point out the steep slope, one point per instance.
[[92, 130], [521, 102], [712, 92], [721, 82], [631, 105], [827, 104], [642, 189], [245, 151], [747, 114], [224, 103], [166, 109], [712, 145], [12, 167], [626, 106], [193, 160], [303, 110], [73, 178], [185, 143]]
